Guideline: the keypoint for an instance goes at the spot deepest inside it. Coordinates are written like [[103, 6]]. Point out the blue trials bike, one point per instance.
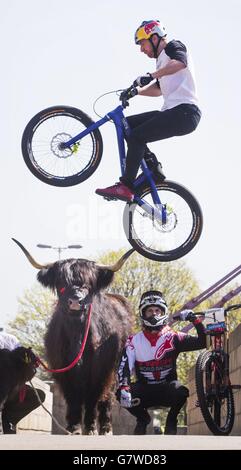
[[62, 146]]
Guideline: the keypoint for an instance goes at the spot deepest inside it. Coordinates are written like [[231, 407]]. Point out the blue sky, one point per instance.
[[58, 52]]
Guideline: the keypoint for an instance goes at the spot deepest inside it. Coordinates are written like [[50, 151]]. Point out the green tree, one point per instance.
[[30, 323]]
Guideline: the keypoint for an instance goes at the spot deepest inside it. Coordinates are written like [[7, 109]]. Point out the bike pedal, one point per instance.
[[110, 198]]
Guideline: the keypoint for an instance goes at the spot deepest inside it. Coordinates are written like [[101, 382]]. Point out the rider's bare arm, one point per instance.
[[150, 90], [172, 67]]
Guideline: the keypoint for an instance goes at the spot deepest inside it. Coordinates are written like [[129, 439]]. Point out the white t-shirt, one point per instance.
[[8, 341], [178, 88]]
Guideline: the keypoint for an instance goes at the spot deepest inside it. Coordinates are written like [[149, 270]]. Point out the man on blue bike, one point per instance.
[[180, 115]]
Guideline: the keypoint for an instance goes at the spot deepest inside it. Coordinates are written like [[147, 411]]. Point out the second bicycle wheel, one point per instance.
[[42, 152], [215, 396], [175, 238]]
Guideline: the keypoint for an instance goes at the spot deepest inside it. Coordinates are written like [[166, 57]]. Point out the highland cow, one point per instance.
[[87, 387]]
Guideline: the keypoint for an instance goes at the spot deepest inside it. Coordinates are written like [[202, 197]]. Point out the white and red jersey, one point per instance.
[[152, 357]]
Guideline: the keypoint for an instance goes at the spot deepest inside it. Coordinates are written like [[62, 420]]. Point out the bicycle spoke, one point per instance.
[[169, 236], [49, 158], [214, 395]]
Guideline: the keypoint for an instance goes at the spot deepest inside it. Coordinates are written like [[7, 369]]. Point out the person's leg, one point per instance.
[[123, 189], [149, 156], [175, 397], [150, 127], [137, 144], [155, 126], [14, 410], [139, 391], [171, 394], [150, 396], [139, 412]]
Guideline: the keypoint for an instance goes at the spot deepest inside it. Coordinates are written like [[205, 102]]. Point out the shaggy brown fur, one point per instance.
[[16, 368], [87, 387]]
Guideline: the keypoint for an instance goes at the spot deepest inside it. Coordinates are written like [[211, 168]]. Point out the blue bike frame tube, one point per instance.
[[122, 130], [160, 214], [87, 131]]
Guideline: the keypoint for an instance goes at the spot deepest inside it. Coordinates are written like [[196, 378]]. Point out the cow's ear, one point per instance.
[[104, 278], [47, 277]]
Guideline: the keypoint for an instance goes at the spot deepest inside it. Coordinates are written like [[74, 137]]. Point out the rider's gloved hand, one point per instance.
[[187, 315], [128, 93], [125, 398], [143, 80]]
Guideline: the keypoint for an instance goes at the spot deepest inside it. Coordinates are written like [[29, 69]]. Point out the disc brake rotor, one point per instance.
[[56, 148], [171, 221]]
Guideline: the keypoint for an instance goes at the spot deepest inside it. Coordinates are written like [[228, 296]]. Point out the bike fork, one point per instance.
[[158, 212]]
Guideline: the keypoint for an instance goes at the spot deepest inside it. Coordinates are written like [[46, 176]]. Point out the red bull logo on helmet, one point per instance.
[[150, 26]]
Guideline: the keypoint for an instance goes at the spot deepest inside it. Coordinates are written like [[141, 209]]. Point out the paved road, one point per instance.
[[36, 441]]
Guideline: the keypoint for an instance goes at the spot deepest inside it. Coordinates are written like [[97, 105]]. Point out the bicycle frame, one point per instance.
[[219, 339], [213, 385], [123, 130]]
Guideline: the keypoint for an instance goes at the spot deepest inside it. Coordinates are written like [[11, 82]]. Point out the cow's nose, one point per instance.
[[74, 304]]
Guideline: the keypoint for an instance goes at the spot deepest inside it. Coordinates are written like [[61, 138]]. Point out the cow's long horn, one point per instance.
[[30, 258], [115, 267]]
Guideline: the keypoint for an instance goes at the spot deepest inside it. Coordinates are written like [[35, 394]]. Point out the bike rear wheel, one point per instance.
[[42, 152], [214, 395], [170, 241]]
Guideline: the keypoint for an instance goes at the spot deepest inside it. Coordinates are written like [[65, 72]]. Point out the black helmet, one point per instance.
[[153, 298]]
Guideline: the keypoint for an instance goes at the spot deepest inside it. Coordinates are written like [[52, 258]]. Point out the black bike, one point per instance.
[[214, 389]]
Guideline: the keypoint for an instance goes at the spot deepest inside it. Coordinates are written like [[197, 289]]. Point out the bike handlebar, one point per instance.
[[232, 307], [210, 310], [127, 94]]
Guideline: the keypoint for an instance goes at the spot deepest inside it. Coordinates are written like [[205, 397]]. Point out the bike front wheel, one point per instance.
[[42, 151], [215, 395], [169, 241]]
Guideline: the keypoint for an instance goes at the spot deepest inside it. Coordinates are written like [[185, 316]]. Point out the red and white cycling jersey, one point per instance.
[[152, 357]]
